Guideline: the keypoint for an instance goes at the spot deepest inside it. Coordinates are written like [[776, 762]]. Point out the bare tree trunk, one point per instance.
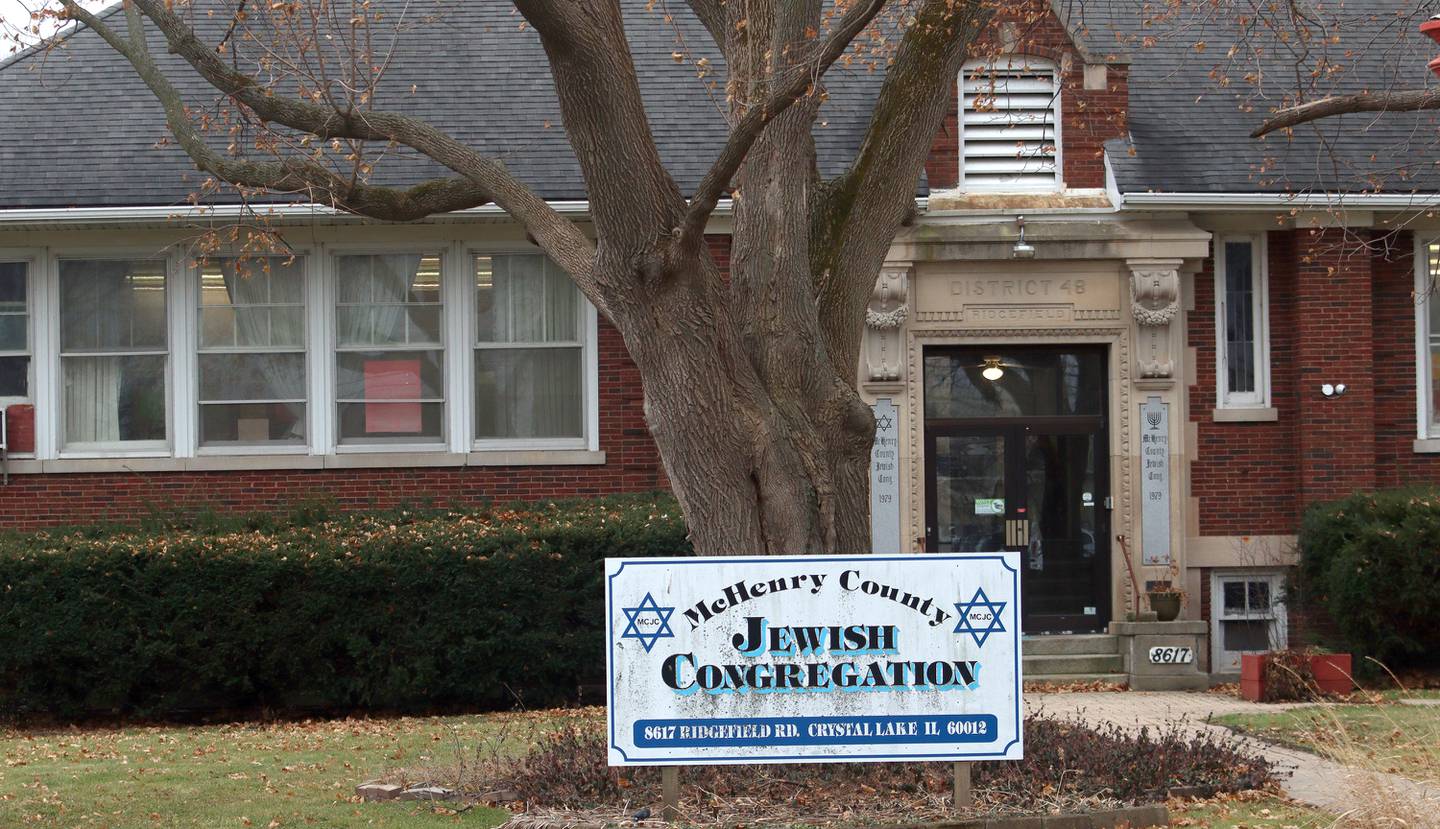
[[752, 462]]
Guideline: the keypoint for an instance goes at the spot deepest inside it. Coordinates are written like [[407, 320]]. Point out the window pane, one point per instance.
[[12, 286], [109, 399], [1034, 383], [217, 327], [528, 393], [524, 298], [1435, 382], [14, 335], [391, 422], [390, 375], [1246, 636], [423, 326], [112, 305], [252, 327], [14, 376], [1259, 596], [1234, 597], [562, 305], [1239, 318], [252, 376], [252, 423]]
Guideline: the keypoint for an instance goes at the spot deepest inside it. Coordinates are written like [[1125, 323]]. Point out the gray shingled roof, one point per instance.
[[77, 128], [1191, 134]]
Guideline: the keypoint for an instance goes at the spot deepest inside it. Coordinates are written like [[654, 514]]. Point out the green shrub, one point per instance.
[[1372, 563], [402, 611]]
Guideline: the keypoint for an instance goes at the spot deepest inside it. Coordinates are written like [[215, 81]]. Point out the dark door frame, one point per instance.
[[1014, 430]]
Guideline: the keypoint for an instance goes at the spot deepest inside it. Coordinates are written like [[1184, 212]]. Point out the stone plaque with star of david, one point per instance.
[[786, 659]]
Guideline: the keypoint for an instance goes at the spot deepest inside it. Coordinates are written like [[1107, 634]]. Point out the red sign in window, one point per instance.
[[392, 380]]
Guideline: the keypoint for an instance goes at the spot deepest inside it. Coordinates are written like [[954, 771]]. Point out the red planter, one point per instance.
[[1431, 28], [1332, 674]]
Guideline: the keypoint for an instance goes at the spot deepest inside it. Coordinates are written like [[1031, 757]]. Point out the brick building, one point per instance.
[[1116, 315]]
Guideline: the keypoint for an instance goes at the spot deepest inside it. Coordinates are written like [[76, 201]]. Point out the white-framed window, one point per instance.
[[1010, 125], [1427, 337], [468, 351], [530, 351], [15, 337], [1247, 610], [251, 357], [1242, 330], [389, 349], [114, 354]]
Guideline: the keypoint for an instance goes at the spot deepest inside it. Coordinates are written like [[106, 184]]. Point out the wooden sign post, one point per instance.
[[670, 792], [963, 798]]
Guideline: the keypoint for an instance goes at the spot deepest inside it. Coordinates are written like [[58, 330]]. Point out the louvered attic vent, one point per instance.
[[1008, 129]]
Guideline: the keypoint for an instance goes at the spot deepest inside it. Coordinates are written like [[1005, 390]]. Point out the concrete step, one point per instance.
[[1068, 645], [1098, 663], [1066, 679]]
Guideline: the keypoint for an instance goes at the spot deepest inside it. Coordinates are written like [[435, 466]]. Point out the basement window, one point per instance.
[[1248, 612], [1009, 126]]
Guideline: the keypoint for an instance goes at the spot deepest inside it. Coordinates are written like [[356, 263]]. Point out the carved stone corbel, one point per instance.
[[884, 323], [1155, 305]]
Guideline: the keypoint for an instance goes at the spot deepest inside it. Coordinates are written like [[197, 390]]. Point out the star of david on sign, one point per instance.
[[980, 617], [884, 423], [648, 622]]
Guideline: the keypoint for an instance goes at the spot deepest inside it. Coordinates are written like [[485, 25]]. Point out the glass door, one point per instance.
[[1065, 583], [1020, 461]]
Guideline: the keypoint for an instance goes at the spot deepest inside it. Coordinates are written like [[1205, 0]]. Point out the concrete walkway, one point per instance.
[[1314, 780]]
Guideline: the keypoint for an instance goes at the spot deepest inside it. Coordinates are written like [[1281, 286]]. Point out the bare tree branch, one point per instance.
[[288, 175], [1408, 100], [556, 235], [803, 77]]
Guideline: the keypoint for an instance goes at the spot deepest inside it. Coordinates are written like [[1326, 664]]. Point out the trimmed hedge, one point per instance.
[[400, 611], [1372, 563]]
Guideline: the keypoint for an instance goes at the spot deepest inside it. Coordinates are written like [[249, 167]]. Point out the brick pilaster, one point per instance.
[[1334, 343]]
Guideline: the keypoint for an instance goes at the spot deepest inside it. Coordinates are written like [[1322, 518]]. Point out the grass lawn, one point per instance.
[[1248, 811], [233, 776], [1400, 739]]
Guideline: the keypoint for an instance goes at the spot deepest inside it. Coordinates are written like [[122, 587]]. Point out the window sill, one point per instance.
[[1427, 446], [1268, 414], [222, 463]]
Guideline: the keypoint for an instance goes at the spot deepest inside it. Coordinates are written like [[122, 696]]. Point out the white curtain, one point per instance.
[[382, 283], [92, 399], [532, 392], [265, 326]]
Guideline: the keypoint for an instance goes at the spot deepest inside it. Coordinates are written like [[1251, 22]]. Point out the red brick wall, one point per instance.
[[1245, 475], [1396, 463], [632, 464], [1088, 118], [1334, 326], [1338, 314]]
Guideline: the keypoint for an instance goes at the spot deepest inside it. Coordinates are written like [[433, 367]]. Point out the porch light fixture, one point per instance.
[[1022, 249], [992, 371]]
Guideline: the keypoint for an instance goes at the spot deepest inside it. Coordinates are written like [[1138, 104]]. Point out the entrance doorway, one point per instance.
[[1017, 458]]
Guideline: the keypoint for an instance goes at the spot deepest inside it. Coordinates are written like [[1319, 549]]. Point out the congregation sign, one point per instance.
[[813, 659]]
